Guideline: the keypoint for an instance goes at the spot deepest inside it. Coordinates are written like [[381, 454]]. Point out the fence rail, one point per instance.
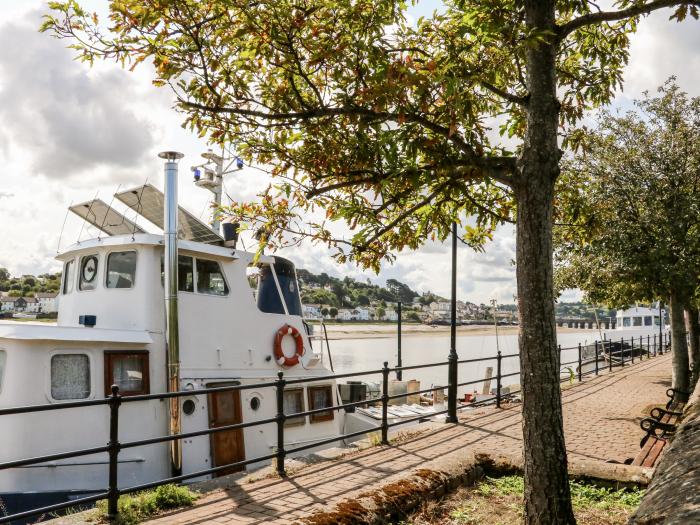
[[611, 351]]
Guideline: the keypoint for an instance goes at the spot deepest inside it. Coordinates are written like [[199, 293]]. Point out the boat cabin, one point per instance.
[[637, 317]]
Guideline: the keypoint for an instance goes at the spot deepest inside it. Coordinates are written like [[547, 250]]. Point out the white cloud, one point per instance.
[[70, 120]]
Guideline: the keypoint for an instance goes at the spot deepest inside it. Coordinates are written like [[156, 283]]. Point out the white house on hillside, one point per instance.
[[47, 301], [354, 314], [312, 311]]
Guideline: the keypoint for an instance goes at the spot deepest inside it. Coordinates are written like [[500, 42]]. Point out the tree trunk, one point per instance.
[[694, 336], [679, 345], [547, 496]]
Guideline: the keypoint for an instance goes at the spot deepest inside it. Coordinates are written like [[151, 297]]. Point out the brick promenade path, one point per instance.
[[601, 421]]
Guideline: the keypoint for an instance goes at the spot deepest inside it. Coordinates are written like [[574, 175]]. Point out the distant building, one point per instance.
[[47, 302], [312, 311], [390, 315], [353, 314], [7, 304], [638, 317], [32, 305]]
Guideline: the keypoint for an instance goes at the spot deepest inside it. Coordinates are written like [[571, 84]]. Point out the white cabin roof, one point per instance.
[[637, 311], [146, 239]]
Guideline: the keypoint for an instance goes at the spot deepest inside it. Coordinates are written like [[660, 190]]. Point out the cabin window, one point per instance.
[[626, 322], [185, 273], [68, 276], [647, 320], [656, 320], [88, 272], [70, 376], [268, 295], [637, 321], [127, 370], [320, 397], [293, 404], [210, 279], [121, 269], [3, 360]]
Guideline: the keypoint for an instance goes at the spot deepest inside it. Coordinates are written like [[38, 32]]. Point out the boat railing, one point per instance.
[[605, 351]]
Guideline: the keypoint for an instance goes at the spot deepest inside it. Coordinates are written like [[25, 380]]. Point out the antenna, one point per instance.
[[88, 213], [210, 176], [60, 235]]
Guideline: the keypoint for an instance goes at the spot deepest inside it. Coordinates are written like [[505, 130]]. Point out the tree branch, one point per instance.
[[611, 16], [515, 99], [381, 231], [339, 185], [497, 168]]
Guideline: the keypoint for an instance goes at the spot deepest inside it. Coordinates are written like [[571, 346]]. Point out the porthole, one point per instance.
[[255, 403], [188, 407]]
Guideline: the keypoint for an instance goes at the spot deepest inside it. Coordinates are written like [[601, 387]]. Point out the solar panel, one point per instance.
[[106, 218], [149, 202]]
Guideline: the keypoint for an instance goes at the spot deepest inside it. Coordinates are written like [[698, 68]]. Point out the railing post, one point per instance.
[[580, 364], [385, 403], [661, 343], [113, 493], [654, 339], [648, 347], [281, 417], [499, 358], [622, 351], [452, 388], [632, 349], [596, 358], [399, 362], [610, 364]]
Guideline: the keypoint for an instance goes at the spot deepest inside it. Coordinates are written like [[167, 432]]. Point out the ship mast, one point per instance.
[[210, 176]]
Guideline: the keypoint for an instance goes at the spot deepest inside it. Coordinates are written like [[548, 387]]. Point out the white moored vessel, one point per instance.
[[122, 297]]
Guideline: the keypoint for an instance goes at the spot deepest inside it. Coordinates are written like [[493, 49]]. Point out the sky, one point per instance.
[[69, 133]]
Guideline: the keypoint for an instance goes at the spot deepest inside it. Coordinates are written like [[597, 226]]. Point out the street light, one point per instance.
[[452, 359]]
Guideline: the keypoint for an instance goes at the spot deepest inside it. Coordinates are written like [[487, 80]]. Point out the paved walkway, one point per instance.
[[601, 421]]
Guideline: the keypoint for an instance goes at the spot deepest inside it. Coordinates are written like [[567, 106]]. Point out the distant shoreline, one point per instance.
[[355, 330]]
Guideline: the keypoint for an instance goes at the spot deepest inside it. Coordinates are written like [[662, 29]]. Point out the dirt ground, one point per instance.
[[499, 502]]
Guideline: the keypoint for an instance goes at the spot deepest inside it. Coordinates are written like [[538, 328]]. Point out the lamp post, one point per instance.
[[452, 359], [661, 327]]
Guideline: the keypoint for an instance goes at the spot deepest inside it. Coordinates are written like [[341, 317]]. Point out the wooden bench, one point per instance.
[[659, 427]]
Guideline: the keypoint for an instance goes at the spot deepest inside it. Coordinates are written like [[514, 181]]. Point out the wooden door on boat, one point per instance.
[[227, 445]]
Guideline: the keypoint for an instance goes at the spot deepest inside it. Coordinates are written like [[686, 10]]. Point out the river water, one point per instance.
[[365, 351]]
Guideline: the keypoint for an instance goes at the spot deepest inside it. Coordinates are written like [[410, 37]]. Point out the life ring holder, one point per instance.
[[282, 359]]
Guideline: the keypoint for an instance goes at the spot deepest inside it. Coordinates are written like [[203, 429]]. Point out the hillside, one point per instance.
[[321, 289], [350, 293], [28, 285]]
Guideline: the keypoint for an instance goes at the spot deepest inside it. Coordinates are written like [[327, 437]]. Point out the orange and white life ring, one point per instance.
[[282, 359]]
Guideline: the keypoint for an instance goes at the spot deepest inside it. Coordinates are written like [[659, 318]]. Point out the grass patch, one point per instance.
[[135, 508], [499, 501]]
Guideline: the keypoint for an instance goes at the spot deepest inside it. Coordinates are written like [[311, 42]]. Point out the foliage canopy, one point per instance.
[[632, 204], [385, 125]]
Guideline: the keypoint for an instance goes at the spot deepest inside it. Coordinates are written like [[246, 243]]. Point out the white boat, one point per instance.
[[116, 324]]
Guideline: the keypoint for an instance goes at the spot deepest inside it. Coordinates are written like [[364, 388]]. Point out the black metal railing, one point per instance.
[[603, 350]]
